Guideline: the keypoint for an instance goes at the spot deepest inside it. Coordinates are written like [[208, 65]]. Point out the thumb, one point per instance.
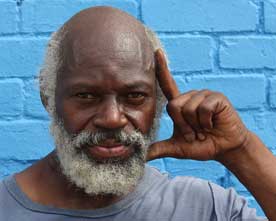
[[160, 149]]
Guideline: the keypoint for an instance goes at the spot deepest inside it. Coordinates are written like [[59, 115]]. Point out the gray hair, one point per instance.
[[53, 62]]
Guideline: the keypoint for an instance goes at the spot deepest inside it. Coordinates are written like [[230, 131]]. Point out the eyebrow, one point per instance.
[[138, 85], [141, 85]]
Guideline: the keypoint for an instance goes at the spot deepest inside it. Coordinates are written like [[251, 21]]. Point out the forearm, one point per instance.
[[255, 167]]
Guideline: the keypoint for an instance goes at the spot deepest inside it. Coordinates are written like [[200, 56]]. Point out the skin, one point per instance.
[[206, 126]]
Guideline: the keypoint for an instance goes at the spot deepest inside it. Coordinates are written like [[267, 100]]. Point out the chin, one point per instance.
[[98, 173], [110, 176]]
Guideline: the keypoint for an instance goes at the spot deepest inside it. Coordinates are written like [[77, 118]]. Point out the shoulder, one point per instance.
[[6, 199], [201, 195], [3, 187], [227, 203], [177, 198], [182, 188], [180, 183], [207, 197]]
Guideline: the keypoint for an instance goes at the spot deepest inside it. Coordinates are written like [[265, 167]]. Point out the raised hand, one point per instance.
[[206, 126]]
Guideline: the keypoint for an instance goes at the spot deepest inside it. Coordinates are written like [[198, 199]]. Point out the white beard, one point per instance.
[[116, 177]]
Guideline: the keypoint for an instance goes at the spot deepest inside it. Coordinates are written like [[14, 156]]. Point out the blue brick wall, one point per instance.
[[224, 45]]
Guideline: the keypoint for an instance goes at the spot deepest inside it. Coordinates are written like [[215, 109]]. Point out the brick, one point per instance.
[[188, 53], [11, 98], [166, 128], [33, 105], [24, 140], [129, 6], [248, 52], [270, 16], [200, 15], [10, 166], [8, 22], [47, 16], [272, 93], [263, 124], [247, 91], [208, 170], [21, 57]]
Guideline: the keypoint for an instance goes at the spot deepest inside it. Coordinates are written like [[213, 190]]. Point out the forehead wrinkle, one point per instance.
[[122, 48], [124, 80], [121, 43]]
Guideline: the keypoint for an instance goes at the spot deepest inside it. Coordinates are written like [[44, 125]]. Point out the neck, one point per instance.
[[44, 183]]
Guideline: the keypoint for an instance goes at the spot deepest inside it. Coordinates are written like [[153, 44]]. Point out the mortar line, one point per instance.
[[139, 16], [261, 18]]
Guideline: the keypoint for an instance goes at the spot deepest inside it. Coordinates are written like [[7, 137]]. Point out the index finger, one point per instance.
[[164, 77]]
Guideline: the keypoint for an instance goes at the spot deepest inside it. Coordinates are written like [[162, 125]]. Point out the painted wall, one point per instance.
[[223, 45]]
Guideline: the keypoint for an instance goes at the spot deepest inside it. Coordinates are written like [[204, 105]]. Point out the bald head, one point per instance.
[[106, 33], [103, 18]]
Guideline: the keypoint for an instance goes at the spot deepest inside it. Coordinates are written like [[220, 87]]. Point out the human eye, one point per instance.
[[86, 95], [136, 98]]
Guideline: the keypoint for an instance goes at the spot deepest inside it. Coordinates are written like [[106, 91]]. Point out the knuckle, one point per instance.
[[191, 92], [186, 129], [172, 107], [206, 91], [187, 111], [220, 95], [204, 109]]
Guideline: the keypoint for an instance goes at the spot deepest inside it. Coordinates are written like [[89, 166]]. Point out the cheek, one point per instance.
[[72, 117], [143, 118]]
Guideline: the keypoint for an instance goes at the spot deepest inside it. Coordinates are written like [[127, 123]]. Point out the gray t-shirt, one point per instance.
[[157, 197]]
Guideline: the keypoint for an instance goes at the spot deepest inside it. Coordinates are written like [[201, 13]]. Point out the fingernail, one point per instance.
[[201, 136], [189, 137]]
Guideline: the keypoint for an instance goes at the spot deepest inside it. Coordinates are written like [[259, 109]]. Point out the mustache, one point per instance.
[[87, 138]]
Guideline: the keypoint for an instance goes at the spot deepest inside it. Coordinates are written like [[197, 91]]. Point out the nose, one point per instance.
[[110, 115]]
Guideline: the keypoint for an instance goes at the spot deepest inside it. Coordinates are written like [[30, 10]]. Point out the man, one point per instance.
[[101, 83]]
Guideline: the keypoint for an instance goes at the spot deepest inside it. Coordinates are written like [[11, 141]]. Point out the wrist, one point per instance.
[[239, 153]]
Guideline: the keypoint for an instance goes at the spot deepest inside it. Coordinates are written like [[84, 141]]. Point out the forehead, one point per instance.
[[122, 48], [107, 52], [109, 73], [106, 44], [111, 63], [99, 35]]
